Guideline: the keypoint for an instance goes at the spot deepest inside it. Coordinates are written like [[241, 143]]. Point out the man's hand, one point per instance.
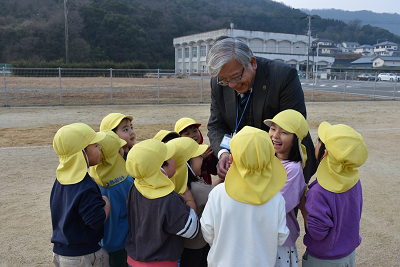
[[223, 165]]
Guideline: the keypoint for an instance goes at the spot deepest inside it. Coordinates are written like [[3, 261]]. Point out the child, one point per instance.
[[196, 250], [165, 136], [187, 127], [78, 211], [244, 219], [287, 130], [114, 182], [158, 217], [122, 125], [333, 207]]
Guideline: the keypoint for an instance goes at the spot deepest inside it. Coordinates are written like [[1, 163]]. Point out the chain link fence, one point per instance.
[[59, 86]]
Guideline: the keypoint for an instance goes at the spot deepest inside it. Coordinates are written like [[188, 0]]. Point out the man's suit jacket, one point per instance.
[[276, 88]]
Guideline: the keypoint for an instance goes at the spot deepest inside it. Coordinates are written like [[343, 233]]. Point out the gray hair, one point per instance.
[[224, 50]]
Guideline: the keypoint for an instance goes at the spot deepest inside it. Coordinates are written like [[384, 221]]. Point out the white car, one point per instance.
[[388, 77]]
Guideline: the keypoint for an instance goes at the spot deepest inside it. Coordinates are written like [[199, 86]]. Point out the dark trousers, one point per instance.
[[194, 257]]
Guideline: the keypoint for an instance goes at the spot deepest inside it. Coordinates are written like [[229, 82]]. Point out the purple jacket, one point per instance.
[[333, 222]]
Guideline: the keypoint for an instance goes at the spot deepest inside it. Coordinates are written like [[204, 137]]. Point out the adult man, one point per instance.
[[261, 89]]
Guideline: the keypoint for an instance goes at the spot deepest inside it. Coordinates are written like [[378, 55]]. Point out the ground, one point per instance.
[[28, 165]]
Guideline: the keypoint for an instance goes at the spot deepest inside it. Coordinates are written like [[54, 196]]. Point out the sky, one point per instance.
[[386, 6]]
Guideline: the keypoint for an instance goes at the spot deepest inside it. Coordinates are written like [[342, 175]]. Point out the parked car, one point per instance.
[[365, 77], [388, 77], [301, 74]]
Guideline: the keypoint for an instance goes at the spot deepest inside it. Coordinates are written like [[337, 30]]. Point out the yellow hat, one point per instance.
[[294, 122], [112, 120], [164, 133], [111, 169], [183, 123], [347, 151], [186, 148], [68, 143], [144, 163], [255, 175]]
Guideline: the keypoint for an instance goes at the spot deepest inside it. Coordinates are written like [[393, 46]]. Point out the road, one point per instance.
[[382, 89]]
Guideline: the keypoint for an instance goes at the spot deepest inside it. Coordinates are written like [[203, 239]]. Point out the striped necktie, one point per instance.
[[244, 98]]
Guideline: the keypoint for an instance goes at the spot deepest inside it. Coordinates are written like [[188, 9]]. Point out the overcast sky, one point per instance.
[[385, 6]]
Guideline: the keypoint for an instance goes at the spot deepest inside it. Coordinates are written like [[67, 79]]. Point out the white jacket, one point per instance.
[[242, 234]]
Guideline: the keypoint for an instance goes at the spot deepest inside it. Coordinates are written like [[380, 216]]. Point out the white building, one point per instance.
[[348, 47], [191, 50], [382, 61], [385, 48], [365, 50]]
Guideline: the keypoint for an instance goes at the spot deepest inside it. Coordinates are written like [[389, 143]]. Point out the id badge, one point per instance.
[[226, 142]]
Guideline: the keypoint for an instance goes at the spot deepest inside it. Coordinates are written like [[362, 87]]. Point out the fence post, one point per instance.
[[5, 86], [201, 92], [345, 85], [394, 89], [111, 79], [158, 86], [376, 78], [59, 75]]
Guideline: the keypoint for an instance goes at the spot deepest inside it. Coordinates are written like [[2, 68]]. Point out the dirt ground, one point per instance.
[[28, 165]]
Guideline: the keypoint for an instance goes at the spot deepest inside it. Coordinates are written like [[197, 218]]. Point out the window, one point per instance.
[[186, 52], [194, 51], [180, 53], [203, 51]]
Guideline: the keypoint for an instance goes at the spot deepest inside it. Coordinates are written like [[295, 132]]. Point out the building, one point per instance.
[[324, 46], [382, 61], [191, 50], [348, 47], [385, 48], [363, 62], [365, 50]]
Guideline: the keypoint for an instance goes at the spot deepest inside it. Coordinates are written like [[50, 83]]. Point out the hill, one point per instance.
[[140, 30], [386, 21]]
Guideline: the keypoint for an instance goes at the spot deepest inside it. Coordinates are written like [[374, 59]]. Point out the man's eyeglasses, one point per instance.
[[234, 80]]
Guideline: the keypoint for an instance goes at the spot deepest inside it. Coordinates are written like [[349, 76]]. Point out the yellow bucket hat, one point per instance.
[[255, 175], [186, 148], [111, 169], [112, 120], [68, 143], [144, 162], [164, 133], [183, 123], [347, 151], [294, 122]]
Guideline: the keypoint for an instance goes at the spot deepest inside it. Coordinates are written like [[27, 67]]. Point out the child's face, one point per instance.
[[282, 141], [319, 155], [193, 132], [126, 132], [171, 168], [93, 154], [195, 164]]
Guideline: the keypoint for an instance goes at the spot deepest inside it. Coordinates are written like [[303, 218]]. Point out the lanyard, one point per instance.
[[237, 108]]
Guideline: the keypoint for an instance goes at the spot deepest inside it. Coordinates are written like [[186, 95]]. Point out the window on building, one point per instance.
[[180, 53], [203, 52], [194, 51], [186, 52]]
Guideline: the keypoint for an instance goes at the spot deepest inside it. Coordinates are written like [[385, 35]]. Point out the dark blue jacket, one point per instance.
[[77, 217]]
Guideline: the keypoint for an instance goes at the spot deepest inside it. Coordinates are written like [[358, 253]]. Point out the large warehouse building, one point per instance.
[[191, 50]]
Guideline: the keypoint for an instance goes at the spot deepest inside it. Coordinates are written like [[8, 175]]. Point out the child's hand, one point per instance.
[[208, 152], [189, 199], [121, 152], [107, 207], [302, 207]]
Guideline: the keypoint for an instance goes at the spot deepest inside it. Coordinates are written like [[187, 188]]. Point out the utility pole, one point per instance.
[[308, 45], [66, 31]]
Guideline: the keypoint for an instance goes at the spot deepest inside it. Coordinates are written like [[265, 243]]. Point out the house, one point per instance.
[[365, 50], [324, 46], [348, 47], [386, 61], [363, 62], [191, 50], [385, 48]]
